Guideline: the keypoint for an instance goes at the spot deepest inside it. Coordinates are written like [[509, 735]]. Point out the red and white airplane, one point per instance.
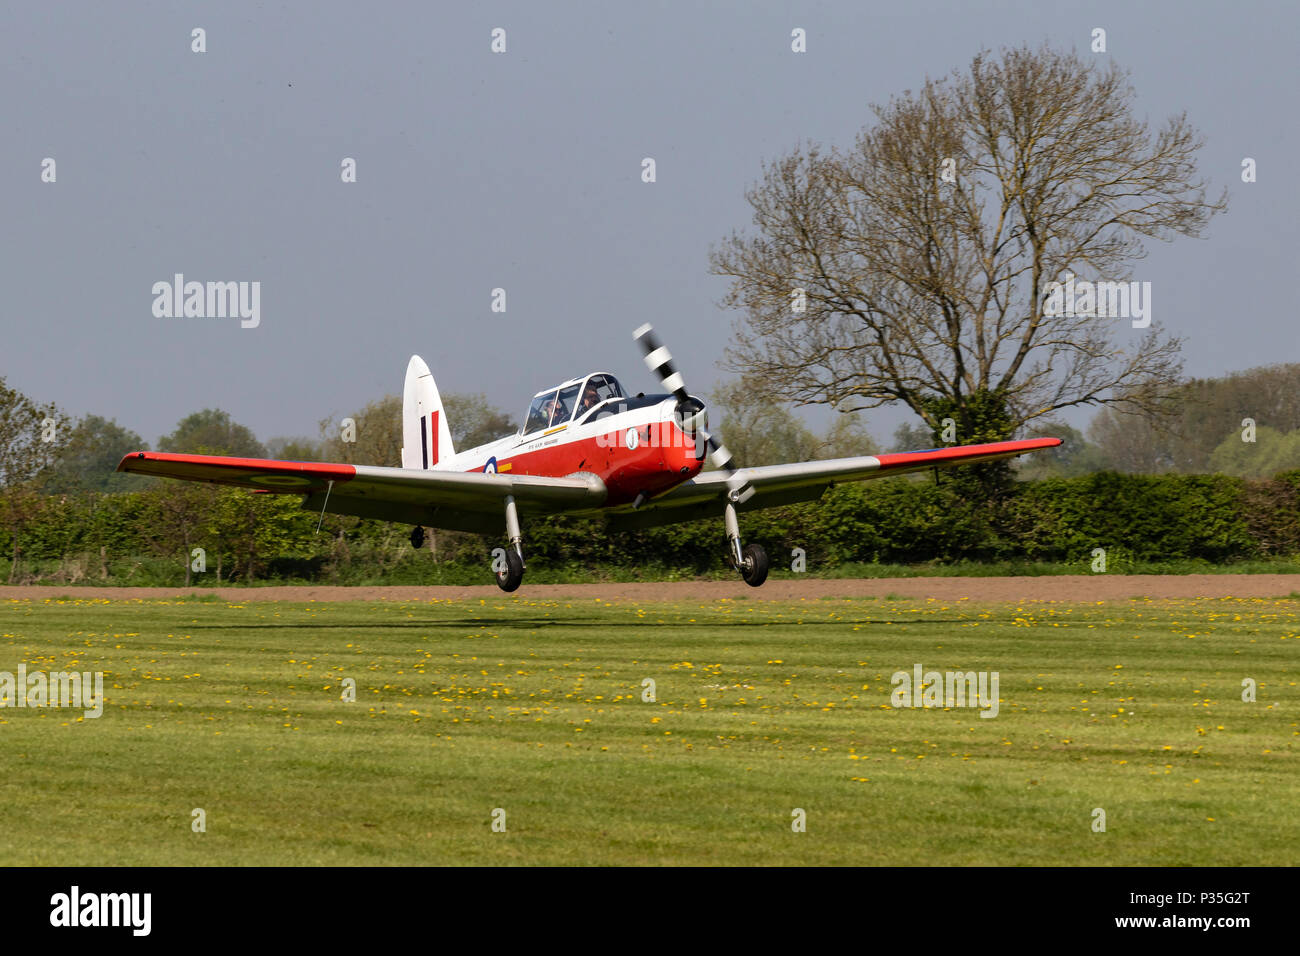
[[585, 447]]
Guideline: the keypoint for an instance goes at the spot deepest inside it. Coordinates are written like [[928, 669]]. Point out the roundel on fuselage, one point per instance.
[[491, 467], [633, 439]]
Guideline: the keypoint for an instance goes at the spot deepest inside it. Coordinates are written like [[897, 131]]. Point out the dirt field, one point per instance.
[[1053, 588]]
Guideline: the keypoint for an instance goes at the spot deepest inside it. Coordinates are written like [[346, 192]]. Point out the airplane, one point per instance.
[[585, 447]]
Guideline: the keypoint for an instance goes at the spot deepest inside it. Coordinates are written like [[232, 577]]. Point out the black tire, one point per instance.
[[754, 570], [509, 579]]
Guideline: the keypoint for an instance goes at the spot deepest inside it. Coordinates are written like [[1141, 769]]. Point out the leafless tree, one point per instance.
[[1208, 411], [29, 434], [26, 448], [376, 437], [921, 255]]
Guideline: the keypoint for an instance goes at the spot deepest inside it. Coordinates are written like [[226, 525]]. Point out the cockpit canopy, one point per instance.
[[572, 401]]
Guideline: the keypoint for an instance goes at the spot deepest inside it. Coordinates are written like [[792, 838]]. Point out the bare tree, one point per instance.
[[474, 421], [1208, 411], [759, 431], [374, 437], [912, 267], [378, 429], [847, 437], [29, 433]]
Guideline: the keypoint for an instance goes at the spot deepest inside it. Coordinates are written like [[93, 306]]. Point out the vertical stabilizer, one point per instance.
[[426, 439]]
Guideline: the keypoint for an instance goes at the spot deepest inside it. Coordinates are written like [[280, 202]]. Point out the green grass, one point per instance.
[[762, 707]]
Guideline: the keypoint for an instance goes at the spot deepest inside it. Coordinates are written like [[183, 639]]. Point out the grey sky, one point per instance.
[[519, 171]]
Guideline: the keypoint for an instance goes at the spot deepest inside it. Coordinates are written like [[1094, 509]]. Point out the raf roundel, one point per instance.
[[491, 467], [632, 439]]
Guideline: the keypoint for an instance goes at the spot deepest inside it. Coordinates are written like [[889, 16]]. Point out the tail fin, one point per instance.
[[426, 439]]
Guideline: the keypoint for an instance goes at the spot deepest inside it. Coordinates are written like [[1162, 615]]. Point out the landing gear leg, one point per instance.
[[750, 560], [509, 577]]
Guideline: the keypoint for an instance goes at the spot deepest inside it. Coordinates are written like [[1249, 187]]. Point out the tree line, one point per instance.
[[65, 511]]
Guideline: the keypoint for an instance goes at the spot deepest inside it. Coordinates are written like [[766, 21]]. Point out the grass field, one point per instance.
[[537, 708]]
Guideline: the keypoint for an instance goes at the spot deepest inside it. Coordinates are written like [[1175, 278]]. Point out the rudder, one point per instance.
[[426, 438]]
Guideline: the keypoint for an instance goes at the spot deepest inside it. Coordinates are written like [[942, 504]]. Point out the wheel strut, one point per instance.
[[750, 560], [513, 534], [737, 556], [509, 577]]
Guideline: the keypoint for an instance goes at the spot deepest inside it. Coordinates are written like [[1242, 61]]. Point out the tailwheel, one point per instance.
[[754, 568], [509, 578]]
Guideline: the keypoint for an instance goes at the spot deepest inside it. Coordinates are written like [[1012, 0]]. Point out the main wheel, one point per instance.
[[754, 570], [508, 580]]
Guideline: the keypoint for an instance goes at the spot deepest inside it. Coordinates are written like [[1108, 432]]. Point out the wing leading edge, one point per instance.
[[474, 501], [457, 501], [776, 485]]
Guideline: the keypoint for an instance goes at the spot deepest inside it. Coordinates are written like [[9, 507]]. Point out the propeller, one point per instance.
[[690, 413]]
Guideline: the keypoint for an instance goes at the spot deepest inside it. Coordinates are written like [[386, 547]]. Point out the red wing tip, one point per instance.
[[960, 452], [323, 469], [1027, 444]]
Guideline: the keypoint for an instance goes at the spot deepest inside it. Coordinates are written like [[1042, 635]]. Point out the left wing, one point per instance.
[[776, 485], [454, 500]]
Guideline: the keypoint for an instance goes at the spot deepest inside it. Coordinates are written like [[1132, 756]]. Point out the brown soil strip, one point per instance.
[[1052, 588]]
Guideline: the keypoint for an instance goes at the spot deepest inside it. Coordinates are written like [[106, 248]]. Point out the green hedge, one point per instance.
[[1212, 518]]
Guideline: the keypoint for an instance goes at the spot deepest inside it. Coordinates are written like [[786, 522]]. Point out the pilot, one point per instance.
[[590, 398], [555, 411]]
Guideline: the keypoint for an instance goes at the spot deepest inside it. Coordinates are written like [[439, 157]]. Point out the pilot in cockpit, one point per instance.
[[555, 411]]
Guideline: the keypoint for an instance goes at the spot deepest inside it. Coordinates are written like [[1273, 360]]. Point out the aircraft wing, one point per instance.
[[454, 500], [775, 485]]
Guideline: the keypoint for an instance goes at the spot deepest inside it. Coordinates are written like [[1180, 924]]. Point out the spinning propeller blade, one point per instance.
[[660, 363]]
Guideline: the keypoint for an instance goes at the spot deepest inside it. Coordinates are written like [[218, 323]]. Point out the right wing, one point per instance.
[[774, 485]]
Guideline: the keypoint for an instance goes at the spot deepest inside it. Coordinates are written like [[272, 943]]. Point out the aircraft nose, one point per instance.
[[691, 415]]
